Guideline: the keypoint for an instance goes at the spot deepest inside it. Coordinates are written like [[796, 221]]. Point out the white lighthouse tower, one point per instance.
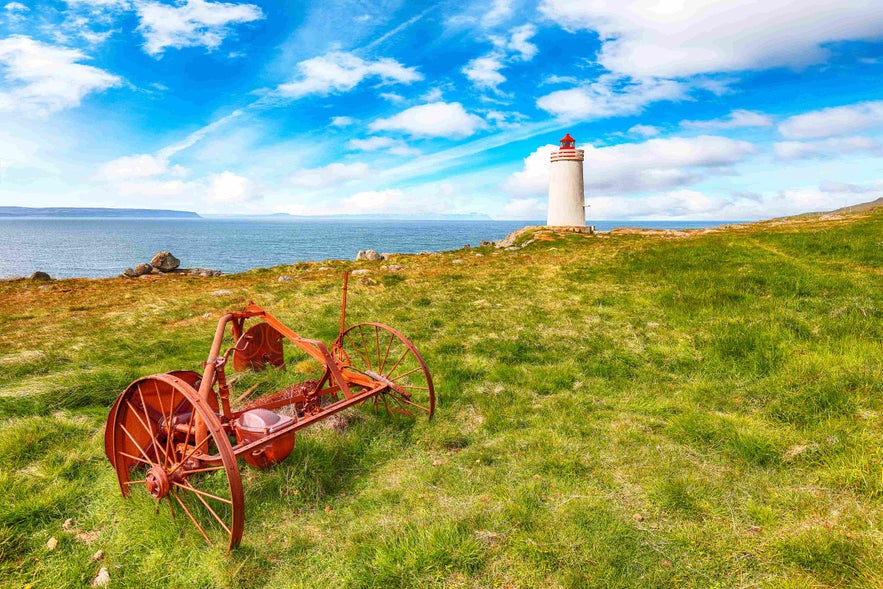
[[566, 195]]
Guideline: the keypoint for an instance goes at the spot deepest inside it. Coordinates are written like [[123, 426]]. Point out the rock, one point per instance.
[[467, 247], [479, 255], [52, 543], [424, 253], [484, 243], [324, 268], [357, 272], [142, 269], [284, 279], [395, 268], [40, 276], [102, 578], [129, 273], [385, 255], [638, 517], [370, 255], [367, 281], [221, 292], [98, 555], [456, 261], [513, 248], [67, 523], [165, 261]]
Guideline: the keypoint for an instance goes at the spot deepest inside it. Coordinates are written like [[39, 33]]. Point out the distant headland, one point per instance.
[[91, 213]]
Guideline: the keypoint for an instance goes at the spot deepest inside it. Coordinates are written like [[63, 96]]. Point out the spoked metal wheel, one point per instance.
[[385, 354], [153, 445]]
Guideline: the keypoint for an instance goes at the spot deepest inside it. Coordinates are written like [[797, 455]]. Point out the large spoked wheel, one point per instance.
[[380, 351], [153, 445]]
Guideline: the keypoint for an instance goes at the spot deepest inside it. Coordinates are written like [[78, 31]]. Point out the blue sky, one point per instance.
[[687, 109]]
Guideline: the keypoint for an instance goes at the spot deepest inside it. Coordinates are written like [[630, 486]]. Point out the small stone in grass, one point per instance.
[[284, 279], [436, 463], [328, 509], [638, 517], [666, 564], [221, 292], [102, 578], [67, 523], [52, 543], [755, 529], [98, 555], [536, 477]]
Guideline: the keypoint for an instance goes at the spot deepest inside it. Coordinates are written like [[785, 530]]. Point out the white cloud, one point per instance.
[[340, 72], [373, 201], [432, 95], [228, 187], [524, 208], [436, 119], [484, 72], [519, 42], [16, 7], [342, 121], [830, 122], [388, 144], [676, 39], [500, 10], [826, 148], [609, 96], [656, 164], [42, 79], [644, 130], [330, 175], [737, 119], [136, 166], [391, 96], [193, 23]]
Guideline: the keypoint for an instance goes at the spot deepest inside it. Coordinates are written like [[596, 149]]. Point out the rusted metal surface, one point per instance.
[[169, 435]]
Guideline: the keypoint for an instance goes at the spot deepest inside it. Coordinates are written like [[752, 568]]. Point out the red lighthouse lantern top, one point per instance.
[[568, 143]]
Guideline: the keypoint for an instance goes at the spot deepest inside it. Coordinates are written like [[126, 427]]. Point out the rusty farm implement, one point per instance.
[[178, 436]]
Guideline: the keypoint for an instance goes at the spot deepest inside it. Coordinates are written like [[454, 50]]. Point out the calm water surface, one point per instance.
[[94, 248]]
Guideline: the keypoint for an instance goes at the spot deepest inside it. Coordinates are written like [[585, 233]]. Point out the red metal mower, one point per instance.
[[178, 436]]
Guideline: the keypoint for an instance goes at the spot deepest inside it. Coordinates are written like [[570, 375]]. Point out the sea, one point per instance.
[[98, 248]]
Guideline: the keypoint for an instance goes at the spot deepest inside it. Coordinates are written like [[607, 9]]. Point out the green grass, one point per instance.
[[621, 411]]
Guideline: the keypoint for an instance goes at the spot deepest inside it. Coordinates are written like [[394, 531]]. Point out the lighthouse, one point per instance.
[[566, 196]]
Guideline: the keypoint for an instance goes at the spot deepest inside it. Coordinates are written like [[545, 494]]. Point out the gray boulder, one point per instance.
[[40, 276], [370, 255], [129, 273], [142, 269], [165, 262]]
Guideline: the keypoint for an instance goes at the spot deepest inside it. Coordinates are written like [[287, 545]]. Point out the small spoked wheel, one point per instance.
[[157, 447], [384, 354]]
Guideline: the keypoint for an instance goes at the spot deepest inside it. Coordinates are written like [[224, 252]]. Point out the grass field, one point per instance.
[[613, 411]]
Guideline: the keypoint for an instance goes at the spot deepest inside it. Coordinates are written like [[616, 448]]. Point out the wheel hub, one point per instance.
[[158, 484]]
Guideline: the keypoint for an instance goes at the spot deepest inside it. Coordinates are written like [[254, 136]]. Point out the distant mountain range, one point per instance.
[[92, 213], [364, 216]]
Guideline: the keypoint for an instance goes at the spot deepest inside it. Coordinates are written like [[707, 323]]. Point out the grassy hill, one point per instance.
[[668, 409]]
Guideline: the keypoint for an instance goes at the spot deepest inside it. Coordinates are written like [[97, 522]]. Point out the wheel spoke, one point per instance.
[[404, 375], [386, 355], [355, 347], [149, 430], [209, 469], [408, 401], [127, 455], [147, 417], [137, 445], [207, 506], [377, 342], [402, 357], [193, 519], [141, 482], [190, 487], [365, 347]]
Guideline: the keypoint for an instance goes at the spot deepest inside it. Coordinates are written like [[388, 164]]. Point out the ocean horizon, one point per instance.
[[104, 247]]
